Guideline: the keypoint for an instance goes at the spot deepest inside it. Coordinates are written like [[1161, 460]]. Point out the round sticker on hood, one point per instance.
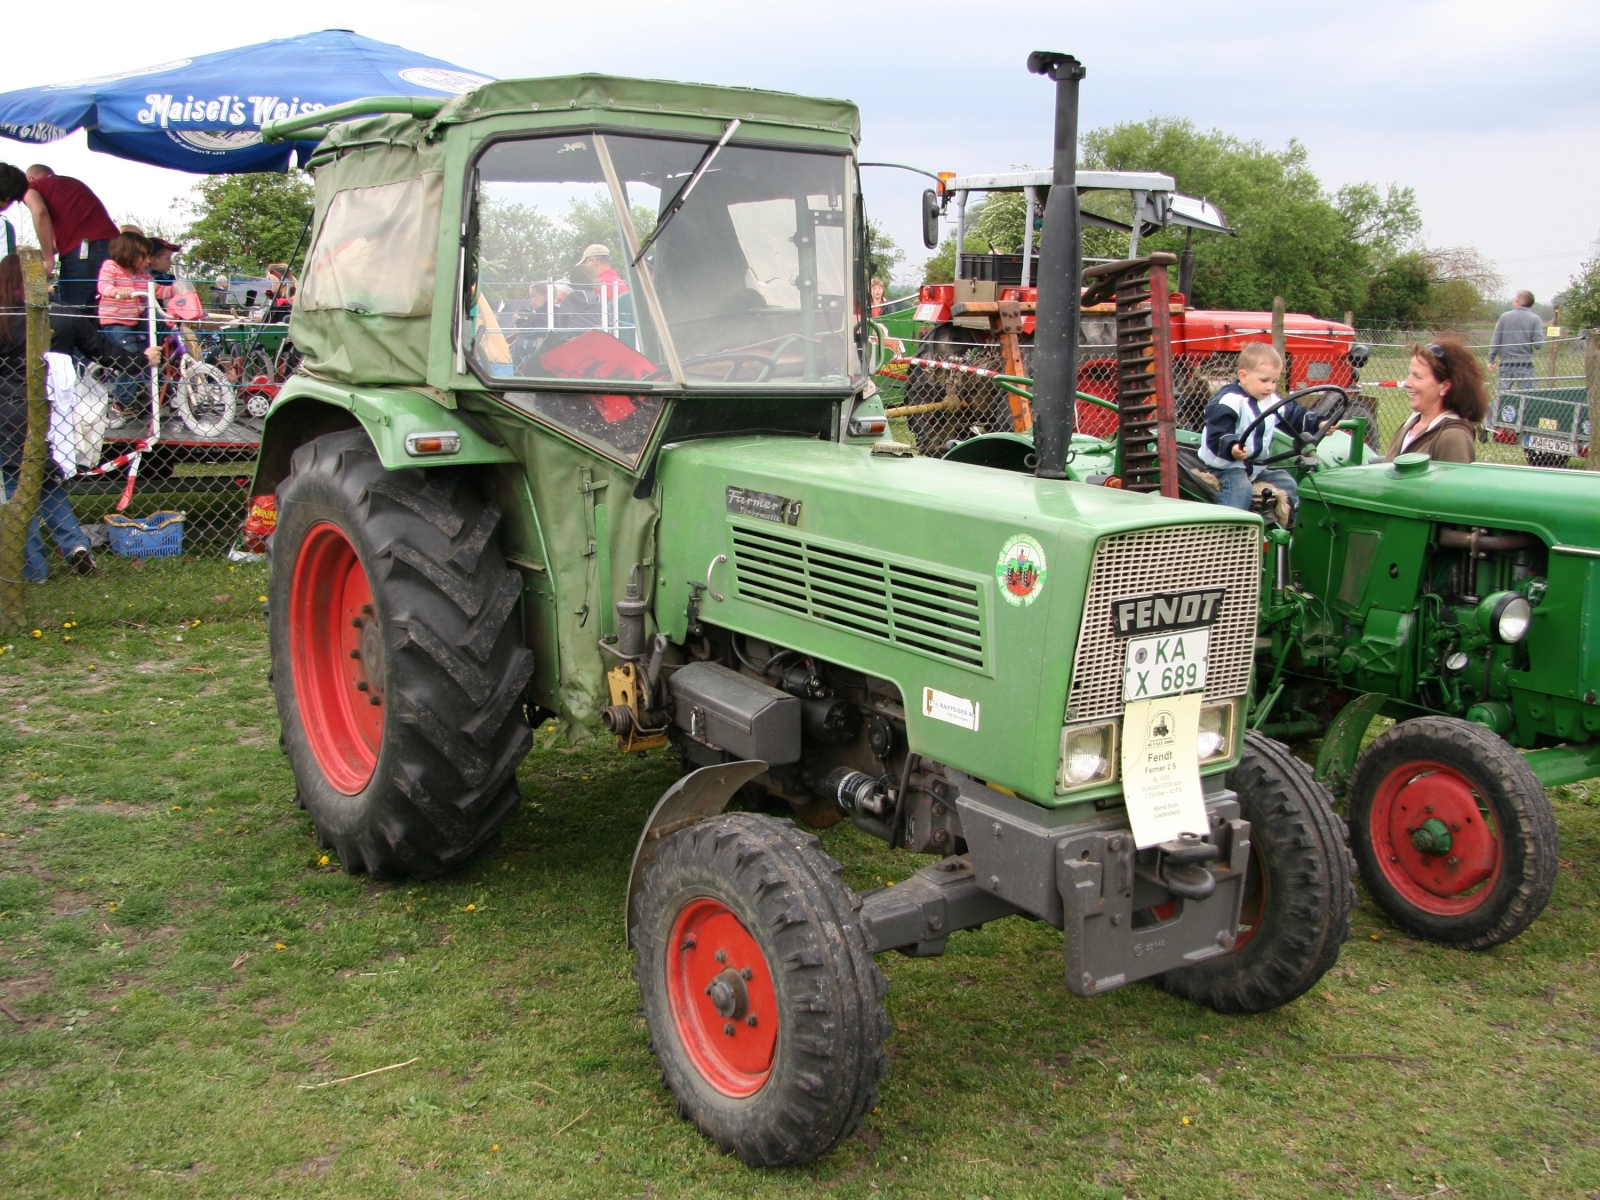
[[1021, 570]]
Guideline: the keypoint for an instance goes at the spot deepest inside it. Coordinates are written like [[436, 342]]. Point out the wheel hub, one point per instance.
[[1432, 837], [724, 1005], [1433, 840]]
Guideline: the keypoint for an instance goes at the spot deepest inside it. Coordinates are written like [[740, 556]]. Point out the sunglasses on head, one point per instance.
[[1436, 350]]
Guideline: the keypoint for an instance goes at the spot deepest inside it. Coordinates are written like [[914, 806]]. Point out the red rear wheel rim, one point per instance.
[[1449, 884], [337, 659], [723, 1004]]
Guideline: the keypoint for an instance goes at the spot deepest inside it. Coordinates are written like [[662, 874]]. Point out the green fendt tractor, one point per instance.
[[585, 431]]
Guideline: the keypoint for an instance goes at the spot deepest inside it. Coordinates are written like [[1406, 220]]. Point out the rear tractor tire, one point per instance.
[[764, 1006], [1453, 832], [1299, 890], [397, 663]]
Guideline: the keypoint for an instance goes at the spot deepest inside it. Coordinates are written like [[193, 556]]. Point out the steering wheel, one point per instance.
[[735, 359], [1330, 421]]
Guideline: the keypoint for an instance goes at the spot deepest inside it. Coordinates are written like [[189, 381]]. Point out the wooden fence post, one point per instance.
[[24, 502], [1279, 343], [1591, 382]]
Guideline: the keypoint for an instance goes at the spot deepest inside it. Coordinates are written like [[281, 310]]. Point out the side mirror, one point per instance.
[[930, 219]]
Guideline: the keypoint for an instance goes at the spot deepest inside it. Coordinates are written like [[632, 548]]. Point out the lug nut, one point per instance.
[[728, 1029], [721, 956], [688, 943], [355, 654], [356, 622], [751, 1020], [374, 699], [747, 974], [362, 685]]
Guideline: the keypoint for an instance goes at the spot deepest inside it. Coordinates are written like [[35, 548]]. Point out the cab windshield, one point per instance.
[[748, 284]]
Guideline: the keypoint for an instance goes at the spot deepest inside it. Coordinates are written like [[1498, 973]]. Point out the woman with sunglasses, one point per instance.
[[1447, 403]]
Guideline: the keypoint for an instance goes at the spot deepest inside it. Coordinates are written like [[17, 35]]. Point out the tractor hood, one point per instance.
[[935, 575], [1558, 506]]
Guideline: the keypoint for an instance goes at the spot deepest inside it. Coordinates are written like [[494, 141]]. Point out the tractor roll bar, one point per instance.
[[316, 121]]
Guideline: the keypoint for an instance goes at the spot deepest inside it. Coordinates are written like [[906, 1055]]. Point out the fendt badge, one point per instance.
[[1166, 610]]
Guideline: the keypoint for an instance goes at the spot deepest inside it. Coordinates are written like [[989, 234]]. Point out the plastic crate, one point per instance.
[[994, 268], [160, 535]]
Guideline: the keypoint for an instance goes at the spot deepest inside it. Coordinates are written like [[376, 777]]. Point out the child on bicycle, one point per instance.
[[1232, 448], [123, 288]]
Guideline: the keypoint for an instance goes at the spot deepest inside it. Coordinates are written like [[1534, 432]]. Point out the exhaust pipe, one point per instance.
[[1055, 339]]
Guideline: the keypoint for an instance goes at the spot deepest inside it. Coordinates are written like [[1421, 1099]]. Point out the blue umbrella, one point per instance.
[[205, 114]]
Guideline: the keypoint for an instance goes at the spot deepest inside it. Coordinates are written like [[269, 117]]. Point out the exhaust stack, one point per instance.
[[1055, 343]]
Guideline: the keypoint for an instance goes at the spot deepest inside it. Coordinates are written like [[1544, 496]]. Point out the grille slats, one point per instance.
[[1178, 558], [886, 601]]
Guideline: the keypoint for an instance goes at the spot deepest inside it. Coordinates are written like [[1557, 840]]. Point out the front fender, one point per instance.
[[307, 408], [698, 796]]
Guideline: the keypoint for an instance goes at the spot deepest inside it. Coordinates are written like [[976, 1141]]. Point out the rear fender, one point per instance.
[[308, 408]]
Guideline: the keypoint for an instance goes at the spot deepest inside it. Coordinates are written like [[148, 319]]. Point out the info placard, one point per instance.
[[1161, 768]]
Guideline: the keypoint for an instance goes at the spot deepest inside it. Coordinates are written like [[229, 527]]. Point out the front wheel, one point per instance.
[[1453, 832], [1298, 889], [764, 1006], [397, 664]]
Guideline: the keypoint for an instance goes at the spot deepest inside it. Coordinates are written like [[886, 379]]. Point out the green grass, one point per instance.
[[154, 863]]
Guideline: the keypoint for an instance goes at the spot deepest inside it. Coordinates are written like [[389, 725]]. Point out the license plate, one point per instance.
[[1551, 445], [1165, 665]]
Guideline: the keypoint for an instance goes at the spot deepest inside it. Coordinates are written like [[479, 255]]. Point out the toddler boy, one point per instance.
[[1233, 410]]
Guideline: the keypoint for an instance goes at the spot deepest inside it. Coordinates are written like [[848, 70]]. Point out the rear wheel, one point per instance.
[[397, 664], [1453, 832], [764, 1007], [1298, 890]]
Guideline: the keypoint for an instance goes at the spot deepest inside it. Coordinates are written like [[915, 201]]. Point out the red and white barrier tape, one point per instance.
[[941, 364]]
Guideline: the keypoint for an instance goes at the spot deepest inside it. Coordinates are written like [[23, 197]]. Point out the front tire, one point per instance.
[[764, 1006], [397, 664], [1453, 832], [1298, 891]]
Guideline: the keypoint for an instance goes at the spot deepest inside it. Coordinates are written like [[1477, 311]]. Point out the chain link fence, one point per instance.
[[951, 386], [146, 514]]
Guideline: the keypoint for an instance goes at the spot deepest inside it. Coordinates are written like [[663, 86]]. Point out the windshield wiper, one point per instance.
[[678, 201]]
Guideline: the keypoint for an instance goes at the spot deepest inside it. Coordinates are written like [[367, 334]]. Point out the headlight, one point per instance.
[[1505, 617], [1088, 755], [1215, 741]]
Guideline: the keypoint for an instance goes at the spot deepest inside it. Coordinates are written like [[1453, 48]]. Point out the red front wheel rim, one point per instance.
[[336, 655], [723, 1005], [1428, 802]]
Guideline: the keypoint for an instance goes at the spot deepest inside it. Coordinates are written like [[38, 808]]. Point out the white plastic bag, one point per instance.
[[80, 410]]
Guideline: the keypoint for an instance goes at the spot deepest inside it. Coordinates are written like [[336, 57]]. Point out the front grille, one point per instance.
[[909, 606], [1178, 558]]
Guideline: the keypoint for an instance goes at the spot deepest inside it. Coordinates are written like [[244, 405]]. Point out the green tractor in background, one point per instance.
[[584, 432], [1456, 599]]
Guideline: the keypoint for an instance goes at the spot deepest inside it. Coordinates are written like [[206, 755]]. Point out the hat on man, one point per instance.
[[157, 245], [594, 250]]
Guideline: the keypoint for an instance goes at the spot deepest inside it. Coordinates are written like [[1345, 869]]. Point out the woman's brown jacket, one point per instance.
[[1451, 440]]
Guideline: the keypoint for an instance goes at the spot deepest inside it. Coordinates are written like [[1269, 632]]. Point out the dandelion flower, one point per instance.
[[1187, 1121], [111, 907], [38, 633], [471, 908], [279, 946], [261, 599], [323, 861]]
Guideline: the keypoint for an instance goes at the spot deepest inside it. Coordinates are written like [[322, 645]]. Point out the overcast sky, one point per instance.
[[1490, 110]]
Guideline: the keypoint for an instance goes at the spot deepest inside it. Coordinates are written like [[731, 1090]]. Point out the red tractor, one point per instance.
[[981, 308]]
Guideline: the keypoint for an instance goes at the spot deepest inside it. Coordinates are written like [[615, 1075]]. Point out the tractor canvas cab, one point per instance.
[[585, 432]]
